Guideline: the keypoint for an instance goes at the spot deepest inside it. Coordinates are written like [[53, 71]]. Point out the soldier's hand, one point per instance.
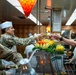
[[36, 36]]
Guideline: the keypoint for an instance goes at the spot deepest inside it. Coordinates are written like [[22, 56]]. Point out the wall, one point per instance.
[[72, 28]]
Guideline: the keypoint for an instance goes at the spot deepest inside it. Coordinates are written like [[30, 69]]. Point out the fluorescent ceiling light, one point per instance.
[[72, 18], [34, 19], [64, 13], [17, 5], [14, 2]]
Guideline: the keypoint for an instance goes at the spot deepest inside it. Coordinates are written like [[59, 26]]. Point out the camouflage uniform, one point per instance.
[[10, 40], [7, 42], [2, 67], [7, 54]]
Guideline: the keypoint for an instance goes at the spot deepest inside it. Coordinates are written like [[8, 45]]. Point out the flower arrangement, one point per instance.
[[49, 46]]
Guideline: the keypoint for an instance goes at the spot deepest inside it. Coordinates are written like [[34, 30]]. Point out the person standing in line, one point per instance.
[[66, 41], [60, 38]]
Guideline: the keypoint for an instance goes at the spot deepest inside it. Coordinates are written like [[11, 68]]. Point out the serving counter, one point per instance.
[[44, 63]]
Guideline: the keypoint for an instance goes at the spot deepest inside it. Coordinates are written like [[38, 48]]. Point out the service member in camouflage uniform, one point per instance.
[[7, 54], [9, 39], [2, 68]]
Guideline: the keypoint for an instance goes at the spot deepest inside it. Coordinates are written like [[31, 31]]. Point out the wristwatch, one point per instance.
[[61, 39]]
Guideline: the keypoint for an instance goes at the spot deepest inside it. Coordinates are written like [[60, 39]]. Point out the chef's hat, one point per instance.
[[6, 24]]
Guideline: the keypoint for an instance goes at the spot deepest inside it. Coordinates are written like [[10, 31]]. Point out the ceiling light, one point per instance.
[[27, 6], [72, 18], [64, 13], [48, 4]]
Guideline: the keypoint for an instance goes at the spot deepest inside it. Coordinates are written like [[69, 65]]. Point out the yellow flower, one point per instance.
[[36, 45], [46, 40], [60, 48], [51, 42]]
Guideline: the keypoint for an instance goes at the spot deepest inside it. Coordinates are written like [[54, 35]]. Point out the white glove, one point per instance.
[[8, 73], [36, 35], [24, 61]]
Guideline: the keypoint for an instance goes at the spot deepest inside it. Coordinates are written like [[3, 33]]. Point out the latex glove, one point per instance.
[[73, 59], [23, 63], [37, 36], [8, 73]]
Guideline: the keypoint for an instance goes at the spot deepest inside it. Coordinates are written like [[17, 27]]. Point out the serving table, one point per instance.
[[45, 63]]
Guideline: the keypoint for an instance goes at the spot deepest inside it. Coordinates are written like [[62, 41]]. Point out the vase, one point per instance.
[[42, 62]]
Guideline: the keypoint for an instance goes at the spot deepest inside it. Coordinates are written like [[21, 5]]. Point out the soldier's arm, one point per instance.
[[2, 67], [19, 41], [13, 40], [8, 55]]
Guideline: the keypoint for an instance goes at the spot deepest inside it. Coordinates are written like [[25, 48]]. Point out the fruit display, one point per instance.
[[49, 46]]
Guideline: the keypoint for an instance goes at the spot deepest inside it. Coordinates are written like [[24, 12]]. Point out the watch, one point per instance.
[[61, 39]]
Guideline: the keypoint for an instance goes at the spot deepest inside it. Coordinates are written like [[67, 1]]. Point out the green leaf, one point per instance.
[[60, 52], [34, 48]]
